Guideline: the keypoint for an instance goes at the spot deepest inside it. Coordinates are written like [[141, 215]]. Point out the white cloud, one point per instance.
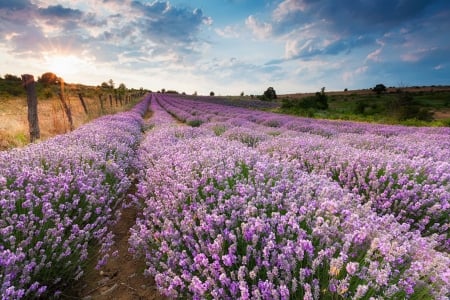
[[375, 55], [416, 55], [288, 7], [349, 75], [293, 48], [208, 21], [228, 32], [260, 30]]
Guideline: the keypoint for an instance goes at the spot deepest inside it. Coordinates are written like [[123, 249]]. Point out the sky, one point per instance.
[[229, 46]]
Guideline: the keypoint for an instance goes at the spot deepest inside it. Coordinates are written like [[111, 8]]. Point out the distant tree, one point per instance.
[[270, 94], [163, 91], [345, 90], [105, 85], [322, 99], [48, 78], [111, 83], [379, 88], [12, 77], [242, 94], [195, 93], [122, 89], [211, 93]]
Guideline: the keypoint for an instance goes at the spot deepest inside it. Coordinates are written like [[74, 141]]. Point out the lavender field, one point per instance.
[[235, 204]]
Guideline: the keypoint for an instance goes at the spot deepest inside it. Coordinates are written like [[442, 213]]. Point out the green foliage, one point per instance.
[[308, 104], [194, 123], [105, 85], [11, 86], [268, 95], [10, 77], [379, 88], [405, 107], [415, 108], [446, 122]]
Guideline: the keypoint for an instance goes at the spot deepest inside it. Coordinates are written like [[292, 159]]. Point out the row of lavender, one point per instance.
[[204, 111], [407, 174], [226, 221], [57, 197]]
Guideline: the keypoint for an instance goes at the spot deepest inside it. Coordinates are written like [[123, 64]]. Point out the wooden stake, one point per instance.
[[66, 107], [83, 103], [33, 120], [101, 102]]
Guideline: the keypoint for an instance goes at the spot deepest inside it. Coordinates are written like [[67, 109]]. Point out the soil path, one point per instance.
[[122, 278]]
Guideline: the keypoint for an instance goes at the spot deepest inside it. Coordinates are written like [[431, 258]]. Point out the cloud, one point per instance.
[[349, 75], [313, 28], [287, 8], [259, 29], [164, 23], [14, 5], [417, 55], [61, 12], [81, 27], [228, 32], [358, 17]]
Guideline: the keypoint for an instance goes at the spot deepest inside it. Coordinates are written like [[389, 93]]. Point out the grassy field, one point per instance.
[[418, 106], [14, 130]]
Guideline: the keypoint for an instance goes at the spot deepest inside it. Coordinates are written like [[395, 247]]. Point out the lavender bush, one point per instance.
[[225, 221], [57, 197], [398, 170]]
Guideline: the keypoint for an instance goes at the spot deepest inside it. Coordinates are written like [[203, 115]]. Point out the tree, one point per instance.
[[105, 85], [270, 93], [111, 83], [322, 99], [11, 77], [48, 78], [242, 94], [122, 89], [211, 93], [379, 88]]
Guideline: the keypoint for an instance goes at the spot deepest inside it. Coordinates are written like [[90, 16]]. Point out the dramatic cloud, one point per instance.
[[293, 44]]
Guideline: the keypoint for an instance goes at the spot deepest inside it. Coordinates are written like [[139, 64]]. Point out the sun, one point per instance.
[[63, 65]]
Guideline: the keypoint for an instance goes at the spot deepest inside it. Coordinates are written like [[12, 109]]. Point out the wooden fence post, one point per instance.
[[101, 102], [66, 107], [83, 103], [33, 121], [110, 100]]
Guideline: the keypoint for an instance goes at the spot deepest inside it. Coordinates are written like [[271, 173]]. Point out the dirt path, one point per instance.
[[122, 278]]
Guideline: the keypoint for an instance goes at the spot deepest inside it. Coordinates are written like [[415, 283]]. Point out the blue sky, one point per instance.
[[229, 46]]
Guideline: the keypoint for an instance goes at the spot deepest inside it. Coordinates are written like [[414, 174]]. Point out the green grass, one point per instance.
[[410, 109]]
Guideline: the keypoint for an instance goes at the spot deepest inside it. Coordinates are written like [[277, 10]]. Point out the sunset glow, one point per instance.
[[64, 66]]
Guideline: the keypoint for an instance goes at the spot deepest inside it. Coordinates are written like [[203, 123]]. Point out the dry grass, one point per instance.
[[14, 130]]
